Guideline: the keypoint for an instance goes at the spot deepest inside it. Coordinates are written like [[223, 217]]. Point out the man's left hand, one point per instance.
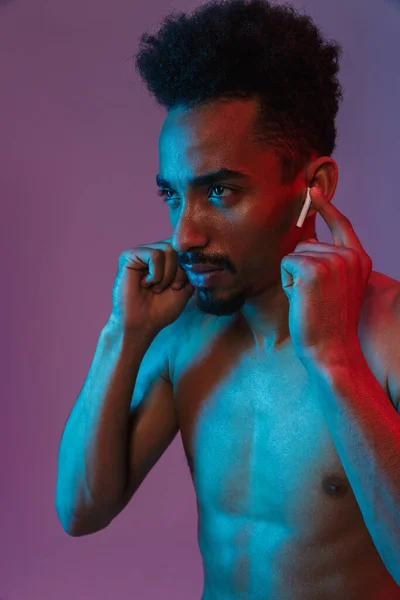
[[325, 285]]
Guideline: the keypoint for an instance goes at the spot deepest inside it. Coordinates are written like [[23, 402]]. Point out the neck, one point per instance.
[[267, 316], [267, 312]]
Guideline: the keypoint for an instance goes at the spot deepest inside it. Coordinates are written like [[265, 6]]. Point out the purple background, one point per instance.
[[78, 157]]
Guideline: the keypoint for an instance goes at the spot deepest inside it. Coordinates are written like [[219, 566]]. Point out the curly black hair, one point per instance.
[[251, 49]]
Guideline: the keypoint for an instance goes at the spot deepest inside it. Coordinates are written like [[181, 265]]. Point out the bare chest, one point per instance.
[[277, 517], [257, 442], [254, 433]]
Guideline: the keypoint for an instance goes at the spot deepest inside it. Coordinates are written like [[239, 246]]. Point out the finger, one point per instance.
[[181, 276], [173, 274], [156, 266], [342, 230], [171, 271], [340, 255], [314, 246], [141, 259]]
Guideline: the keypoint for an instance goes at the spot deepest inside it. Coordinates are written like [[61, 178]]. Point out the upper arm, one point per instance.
[[152, 420], [394, 387], [394, 353]]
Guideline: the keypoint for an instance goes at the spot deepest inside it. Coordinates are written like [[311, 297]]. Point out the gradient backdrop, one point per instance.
[[78, 159]]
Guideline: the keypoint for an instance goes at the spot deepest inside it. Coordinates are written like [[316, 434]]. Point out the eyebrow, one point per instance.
[[206, 179]]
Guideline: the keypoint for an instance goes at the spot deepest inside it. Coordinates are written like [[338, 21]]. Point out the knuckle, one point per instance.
[[128, 254], [368, 260], [321, 269], [124, 255], [123, 259], [157, 254]]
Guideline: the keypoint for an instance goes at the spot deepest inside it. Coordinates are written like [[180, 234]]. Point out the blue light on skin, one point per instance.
[[248, 231]]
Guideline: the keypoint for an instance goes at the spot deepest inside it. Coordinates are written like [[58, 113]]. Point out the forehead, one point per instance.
[[212, 136], [220, 120]]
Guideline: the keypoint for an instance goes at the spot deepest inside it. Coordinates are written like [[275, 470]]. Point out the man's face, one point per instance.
[[244, 225]]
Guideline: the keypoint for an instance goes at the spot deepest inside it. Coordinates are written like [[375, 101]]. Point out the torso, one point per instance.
[[277, 517]]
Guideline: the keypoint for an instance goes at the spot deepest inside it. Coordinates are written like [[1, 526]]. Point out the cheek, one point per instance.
[[255, 262], [262, 264]]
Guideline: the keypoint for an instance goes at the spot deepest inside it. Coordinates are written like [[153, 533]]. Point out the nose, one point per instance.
[[188, 234]]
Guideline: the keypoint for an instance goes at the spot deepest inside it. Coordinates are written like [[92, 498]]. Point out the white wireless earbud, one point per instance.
[[304, 210]]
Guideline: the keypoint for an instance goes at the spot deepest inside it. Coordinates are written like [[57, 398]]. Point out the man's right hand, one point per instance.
[[136, 305]]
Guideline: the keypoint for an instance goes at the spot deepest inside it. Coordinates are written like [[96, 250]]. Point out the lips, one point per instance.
[[206, 278], [202, 268]]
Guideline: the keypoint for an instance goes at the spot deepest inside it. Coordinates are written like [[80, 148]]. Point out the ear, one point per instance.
[[323, 173]]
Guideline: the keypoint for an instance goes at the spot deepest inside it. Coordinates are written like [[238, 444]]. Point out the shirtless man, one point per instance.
[[281, 372]]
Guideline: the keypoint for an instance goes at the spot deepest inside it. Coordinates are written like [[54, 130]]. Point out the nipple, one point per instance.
[[335, 486]]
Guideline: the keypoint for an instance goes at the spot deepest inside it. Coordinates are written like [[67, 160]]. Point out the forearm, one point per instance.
[[92, 458], [365, 428]]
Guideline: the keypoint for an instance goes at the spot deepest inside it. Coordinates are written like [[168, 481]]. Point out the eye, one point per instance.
[[163, 191]]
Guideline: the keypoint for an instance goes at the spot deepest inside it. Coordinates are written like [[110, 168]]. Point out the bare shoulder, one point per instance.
[[379, 327], [382, 296], [174, 336]]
